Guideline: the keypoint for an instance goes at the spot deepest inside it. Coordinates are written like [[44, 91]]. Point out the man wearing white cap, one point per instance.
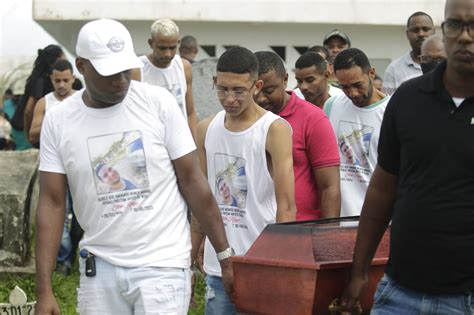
[[135, 254]]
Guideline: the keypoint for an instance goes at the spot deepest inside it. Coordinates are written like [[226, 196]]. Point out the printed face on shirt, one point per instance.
[[357, 84], [235, 91], [62, 82], [103, 91], [164, 49], [224, 189], [312, 83], [460, 49], [109, 175], [335, 45], [272, 96], [419, 28]]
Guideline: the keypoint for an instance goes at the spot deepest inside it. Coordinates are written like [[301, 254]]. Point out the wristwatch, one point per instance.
[[226, 253]]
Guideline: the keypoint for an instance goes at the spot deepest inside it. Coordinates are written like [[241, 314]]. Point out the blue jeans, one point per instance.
[[217, 301], [391, 298], [119, 290]]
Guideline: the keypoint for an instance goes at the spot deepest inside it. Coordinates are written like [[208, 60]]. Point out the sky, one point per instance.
[[20, 35]]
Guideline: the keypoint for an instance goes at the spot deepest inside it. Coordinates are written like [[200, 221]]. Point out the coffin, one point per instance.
[[301, 267]]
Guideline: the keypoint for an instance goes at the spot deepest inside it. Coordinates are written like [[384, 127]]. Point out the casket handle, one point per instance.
[[335, 308]]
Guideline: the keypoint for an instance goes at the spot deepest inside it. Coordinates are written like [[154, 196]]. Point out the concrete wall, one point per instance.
[[18, 198], [375, 26]]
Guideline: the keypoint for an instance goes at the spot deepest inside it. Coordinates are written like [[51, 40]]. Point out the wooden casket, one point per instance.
[[301, 267]]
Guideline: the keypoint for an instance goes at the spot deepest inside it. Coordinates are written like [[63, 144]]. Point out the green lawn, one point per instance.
[[65, 290]]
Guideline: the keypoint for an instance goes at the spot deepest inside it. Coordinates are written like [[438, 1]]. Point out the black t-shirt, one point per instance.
[[429, 143]]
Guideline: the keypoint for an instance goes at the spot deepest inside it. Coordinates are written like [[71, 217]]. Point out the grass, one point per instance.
[[65, 290]]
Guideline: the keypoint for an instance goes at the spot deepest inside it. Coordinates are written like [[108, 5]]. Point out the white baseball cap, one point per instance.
[[107, 44]]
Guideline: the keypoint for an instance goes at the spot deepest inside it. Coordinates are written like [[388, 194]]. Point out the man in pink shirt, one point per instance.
[[315, 151]]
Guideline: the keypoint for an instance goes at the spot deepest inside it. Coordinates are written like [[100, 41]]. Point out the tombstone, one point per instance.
[[205, 98], [18, 304], [18, 198]]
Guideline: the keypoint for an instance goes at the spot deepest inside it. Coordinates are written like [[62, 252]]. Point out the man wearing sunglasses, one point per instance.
[[250, 148], [432, 53], [424, 184]]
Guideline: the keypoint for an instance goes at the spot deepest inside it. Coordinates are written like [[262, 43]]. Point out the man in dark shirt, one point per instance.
[[424, 184]]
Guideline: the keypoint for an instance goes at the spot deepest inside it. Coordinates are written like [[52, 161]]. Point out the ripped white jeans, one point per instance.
[[144, 290]]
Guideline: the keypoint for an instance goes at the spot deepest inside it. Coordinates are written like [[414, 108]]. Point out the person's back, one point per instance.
[[356, 118], [18, 136], [38, 85], [246, 153]]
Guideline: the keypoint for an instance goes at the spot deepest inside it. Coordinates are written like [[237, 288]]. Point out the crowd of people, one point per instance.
[[156, 192]]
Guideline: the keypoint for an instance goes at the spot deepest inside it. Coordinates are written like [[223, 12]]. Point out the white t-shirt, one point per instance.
[[118, 161], [399, 71], [239, 179], [357, 131], [171, 78], [333, 91], [50, 100]]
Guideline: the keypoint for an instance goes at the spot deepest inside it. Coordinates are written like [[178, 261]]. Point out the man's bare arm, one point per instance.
[[28, 114], [328, 182], [279, 146], [35, 130], [374, 219], [49, 227], [190, 110], [197, 235], [195, 189]]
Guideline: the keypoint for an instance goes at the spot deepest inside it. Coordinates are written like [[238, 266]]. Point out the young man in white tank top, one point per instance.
[[62, 78], [163, 67], [246, 153]]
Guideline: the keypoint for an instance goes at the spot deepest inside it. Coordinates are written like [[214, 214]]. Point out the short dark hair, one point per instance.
[[418, 13], [61, 65], [352, 57], [309, 59], [318, 49], [268, 61], [188, 43], [238, 60]]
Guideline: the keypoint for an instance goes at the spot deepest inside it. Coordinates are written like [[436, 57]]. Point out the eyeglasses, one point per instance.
[[238, 95], [454, 28], [429, 59]]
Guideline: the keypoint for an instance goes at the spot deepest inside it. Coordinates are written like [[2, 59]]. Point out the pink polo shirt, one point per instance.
[[314, 146]]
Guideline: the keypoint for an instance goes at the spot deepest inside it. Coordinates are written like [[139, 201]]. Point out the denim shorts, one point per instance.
[[392, 299], [142, 290]]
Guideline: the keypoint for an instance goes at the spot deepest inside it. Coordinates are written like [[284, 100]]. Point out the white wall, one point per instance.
[[390, 12], [375, 26], [377, 41]]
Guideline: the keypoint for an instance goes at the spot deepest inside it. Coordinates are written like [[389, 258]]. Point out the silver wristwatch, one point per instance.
[[226, 253]]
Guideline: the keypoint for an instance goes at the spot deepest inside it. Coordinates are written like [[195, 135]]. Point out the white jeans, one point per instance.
[[144, 290]]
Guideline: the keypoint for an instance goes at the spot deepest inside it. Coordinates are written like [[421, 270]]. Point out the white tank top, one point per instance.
[[239, 178], [171, 78], [50, 100]]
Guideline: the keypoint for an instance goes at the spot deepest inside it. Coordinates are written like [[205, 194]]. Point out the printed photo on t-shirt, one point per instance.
[[354, 143], [118, 162], [231, 180]]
